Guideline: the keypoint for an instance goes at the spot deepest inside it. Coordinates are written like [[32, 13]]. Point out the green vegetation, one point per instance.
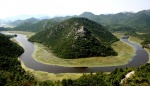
[[28, 34], [146, 42], [120, 22], [125, 53], [138, 38], [145, 37], [5, 29], [77, 38], [148, 50], [139, 41], [11, 72], [43, 76], [140, 78], [7, 44]]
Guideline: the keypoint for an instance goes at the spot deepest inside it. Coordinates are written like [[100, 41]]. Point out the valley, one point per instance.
[[42, 75], [74, 50], [72, 63]]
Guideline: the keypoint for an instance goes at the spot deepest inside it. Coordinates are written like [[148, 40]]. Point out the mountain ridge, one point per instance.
[[77, 38], [139, 21]]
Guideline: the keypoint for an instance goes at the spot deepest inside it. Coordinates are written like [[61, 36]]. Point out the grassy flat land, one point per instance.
[[138, 41], [29, 34], [135, 40], [42, 76], [44, 55], [148, 50], [118, 35], [42, 50], [14, 40]]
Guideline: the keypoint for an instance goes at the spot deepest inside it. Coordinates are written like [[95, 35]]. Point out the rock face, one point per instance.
[[127, 76], [77, 38], [147, 45]]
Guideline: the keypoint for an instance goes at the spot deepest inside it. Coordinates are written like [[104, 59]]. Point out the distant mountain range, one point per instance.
[[124, 21], [25, 16], [36, 25], [19, 22], [139, 21]]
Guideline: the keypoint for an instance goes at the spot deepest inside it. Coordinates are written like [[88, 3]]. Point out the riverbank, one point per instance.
[[44, 55], [138, 41], [42, 76], [125, 52], [28, 34], [134, 40]]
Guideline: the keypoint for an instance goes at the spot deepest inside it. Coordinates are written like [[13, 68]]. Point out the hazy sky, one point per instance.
[[69, 7]]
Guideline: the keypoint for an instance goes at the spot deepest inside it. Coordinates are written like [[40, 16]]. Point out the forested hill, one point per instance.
[[8, 48], [11, 72], [76, 38]]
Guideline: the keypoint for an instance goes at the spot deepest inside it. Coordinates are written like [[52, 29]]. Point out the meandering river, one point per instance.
[[140, 58]]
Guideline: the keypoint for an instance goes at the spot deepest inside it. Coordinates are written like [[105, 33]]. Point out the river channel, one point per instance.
[[141, 57]]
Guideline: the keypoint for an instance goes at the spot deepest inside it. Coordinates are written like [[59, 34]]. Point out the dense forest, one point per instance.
[[77, 38], [139, 78], [11, 72]]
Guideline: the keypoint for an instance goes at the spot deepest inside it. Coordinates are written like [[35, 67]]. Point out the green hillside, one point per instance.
[[76, 38], [11, 72]]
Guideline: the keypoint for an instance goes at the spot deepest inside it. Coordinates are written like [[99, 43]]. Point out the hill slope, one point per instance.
[[76, 38], [11, 72]]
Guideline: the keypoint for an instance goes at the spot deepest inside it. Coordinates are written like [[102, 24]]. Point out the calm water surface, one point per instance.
[[141, 57]]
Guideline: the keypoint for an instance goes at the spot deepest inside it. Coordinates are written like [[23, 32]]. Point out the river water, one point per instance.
[[141, 57]]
